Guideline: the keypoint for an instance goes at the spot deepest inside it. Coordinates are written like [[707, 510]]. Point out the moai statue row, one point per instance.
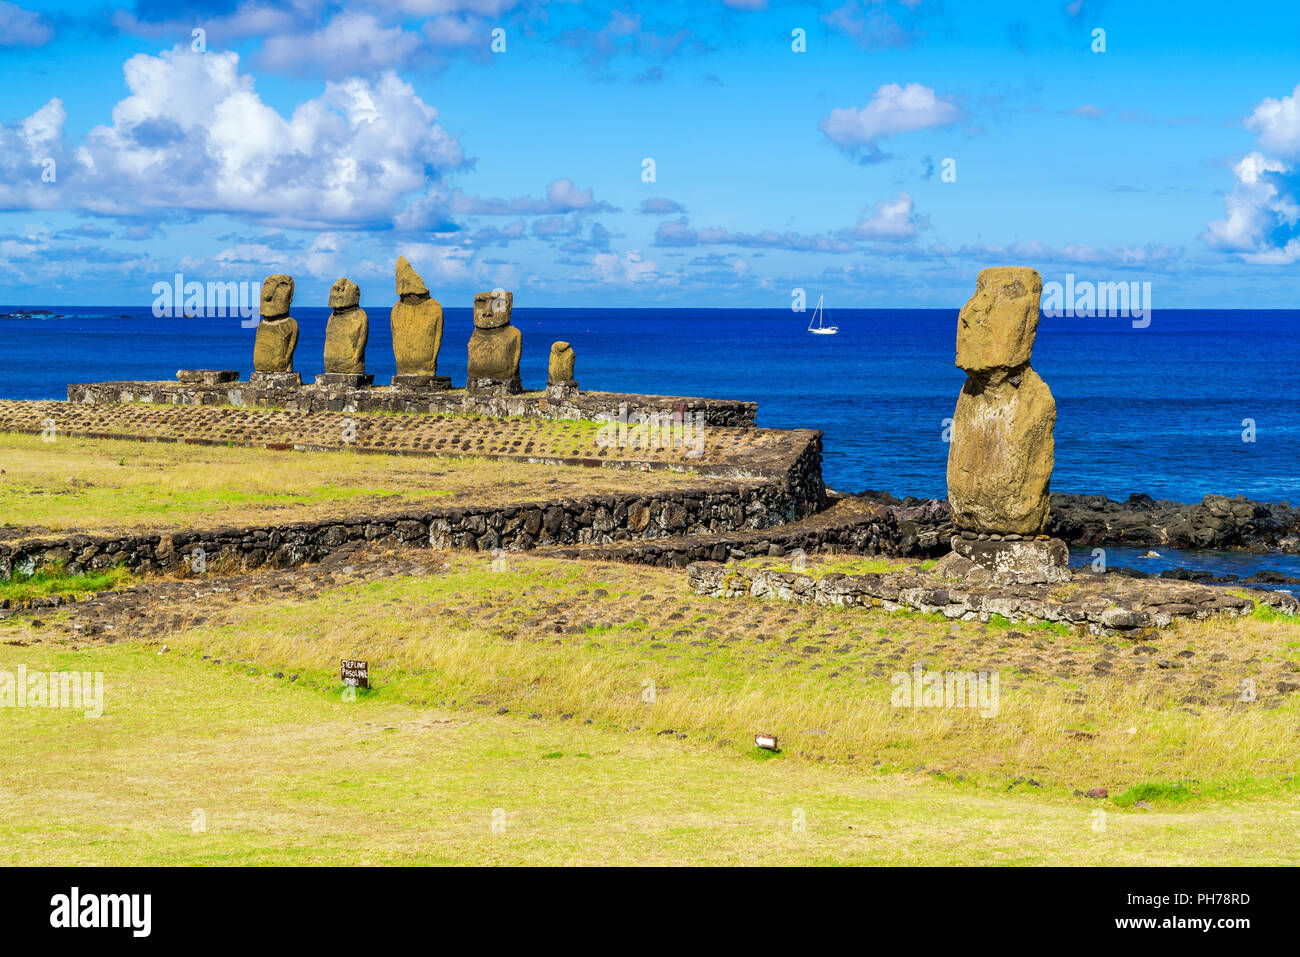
[[416, 319]]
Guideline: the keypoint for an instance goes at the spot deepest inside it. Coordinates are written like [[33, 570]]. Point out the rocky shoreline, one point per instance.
[[1216, 522]]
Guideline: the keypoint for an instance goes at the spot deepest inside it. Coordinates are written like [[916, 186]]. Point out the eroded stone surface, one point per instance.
[[495, 347], [560, 369], [347, 331], [417, 322], [1001, 453], [266, 390], [492, 309], [277, 333], [207, 376], [1027, 561], [997, 325], [1102, 603]]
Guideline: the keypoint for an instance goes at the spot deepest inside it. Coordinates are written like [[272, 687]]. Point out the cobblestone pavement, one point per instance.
[[659, 611], [759, 451]]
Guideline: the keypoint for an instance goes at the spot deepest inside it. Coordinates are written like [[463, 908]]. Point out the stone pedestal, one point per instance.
[[435, 382], [345, 380], [484, 386], [564, 389], [1029, 561], [275, 380], [207, 376]]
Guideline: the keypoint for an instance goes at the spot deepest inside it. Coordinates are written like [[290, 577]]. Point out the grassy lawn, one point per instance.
[[97, 486], [611, 714], [17, 590], [199, 763]]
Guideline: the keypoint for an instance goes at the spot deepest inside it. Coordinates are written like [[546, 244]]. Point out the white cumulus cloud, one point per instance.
[[890, 219], [892, 110], [195, 136], [1261, 224], [1277, 124]]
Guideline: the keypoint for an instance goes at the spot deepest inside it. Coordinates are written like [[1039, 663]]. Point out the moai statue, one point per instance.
[[276, 336], [1002, 450], [559, 372], [416, 320], [346, 334], [495, 346]]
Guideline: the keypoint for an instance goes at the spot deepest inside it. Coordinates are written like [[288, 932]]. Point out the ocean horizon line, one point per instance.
[[30, 307]]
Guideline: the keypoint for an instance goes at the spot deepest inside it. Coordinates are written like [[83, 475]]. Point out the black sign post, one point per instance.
[[355, 673]]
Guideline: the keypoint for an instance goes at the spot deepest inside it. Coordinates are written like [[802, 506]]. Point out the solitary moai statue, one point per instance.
[[416, 320], [276, 336], [559, 372], [1002, 451], [495, 346], [347, 331]]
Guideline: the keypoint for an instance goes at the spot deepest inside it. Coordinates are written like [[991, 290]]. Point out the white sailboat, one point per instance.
[[815, 325]]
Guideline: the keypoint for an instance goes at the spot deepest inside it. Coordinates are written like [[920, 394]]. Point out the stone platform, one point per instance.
[[744, 454], [1102, 603], [1027, 561], [630, 407], [847, 526]]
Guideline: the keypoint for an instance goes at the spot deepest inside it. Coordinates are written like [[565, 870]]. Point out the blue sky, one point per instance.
[[325, 140]]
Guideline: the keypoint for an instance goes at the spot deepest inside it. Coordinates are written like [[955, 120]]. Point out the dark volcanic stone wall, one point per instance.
[[581, 405], [1089, 520], [522, 526]]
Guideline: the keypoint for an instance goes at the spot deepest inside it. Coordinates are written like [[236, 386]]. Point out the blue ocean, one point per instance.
[[1197, 402]]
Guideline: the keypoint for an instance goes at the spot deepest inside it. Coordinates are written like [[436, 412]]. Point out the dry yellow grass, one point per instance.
[[98, 486], [555, 638], [200, 764]]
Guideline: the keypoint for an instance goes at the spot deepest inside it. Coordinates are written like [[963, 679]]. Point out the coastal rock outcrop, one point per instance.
[[347, 331], [416, 321], [277, 333], [1215, 522], [495, 347]]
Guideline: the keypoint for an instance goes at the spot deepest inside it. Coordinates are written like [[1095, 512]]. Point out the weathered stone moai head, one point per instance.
[[277, 296], [560, 369], [1002, 451], [345, 294], [347, 331], [996, 327], [416, 321], [492, 309]]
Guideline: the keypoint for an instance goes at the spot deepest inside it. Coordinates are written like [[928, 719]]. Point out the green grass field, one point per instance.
[[195, 763], [99, 486], [521, 695]]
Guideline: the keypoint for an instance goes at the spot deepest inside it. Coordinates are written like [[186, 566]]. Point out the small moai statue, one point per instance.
[[347, 331], [276, 337], [416, 321], [1002, 451], [559, 371], [495, 347]]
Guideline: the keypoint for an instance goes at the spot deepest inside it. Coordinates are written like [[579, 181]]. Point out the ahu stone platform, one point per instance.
[[550, 404], [1104, 603], [712, 451]]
